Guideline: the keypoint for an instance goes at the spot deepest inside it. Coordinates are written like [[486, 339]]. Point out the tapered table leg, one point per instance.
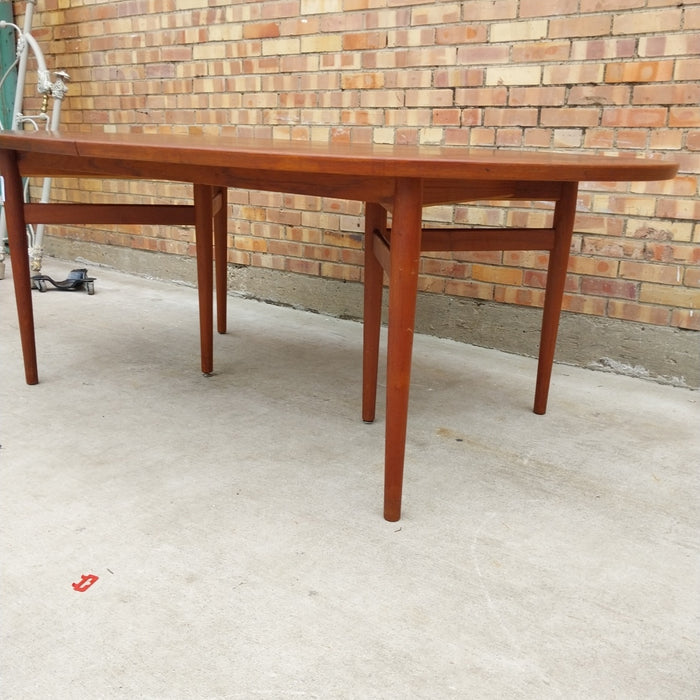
[[375, 221], [205, 276], [564, 215], [403, 288], [220, 253], [19, 257]]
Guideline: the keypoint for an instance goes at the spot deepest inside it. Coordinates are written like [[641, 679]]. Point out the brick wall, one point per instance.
[[568, 74]]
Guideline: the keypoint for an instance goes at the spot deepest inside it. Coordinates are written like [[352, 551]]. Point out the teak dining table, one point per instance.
[[395, 179]]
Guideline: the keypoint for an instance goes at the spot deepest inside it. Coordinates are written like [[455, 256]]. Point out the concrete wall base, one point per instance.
[[662, 354]]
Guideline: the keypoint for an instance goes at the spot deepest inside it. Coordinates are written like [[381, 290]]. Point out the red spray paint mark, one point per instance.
[[85, 583]]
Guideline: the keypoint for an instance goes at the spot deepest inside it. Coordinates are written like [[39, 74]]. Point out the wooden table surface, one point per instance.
[[370, 168], [396, 179]]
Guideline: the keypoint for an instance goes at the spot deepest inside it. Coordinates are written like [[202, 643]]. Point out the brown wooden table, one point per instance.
[[396, 179]]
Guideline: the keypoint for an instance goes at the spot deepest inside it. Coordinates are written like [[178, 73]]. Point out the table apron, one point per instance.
[[370, 188]]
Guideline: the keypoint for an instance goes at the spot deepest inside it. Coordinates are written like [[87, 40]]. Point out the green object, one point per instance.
[[8, 52]]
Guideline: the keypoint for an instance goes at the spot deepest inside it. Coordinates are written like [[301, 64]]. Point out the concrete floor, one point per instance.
[[234, 522]]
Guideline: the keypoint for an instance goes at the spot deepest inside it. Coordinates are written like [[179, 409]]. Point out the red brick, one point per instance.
[[486, 10], [599, 138], [509, 137], [261, 31], [584, 265], [687, 69], [655, 21], [297, 27], [669, 295], [572, 73], [667, 94], [691, 18], [686, 318], [482, 97], [439, 13], [457, 77], [580, 116], [533, 260], [536, 8], [611, 5], [466, 288], [684, 117], [348, 273], [541, 51], [457, 137], [427, 98], [365, 40], [537, 138], [640, 313], [584, 26], [508, 117], [693, 141], [272, 262], [691, 278], [646, 272], [443, 268], [482, 54], [491, 257], [435, 285], [599, 95], [279, 8], [639, 71], [362, 81], [599, 49], [594, 306], [535, 278], [500, 275], [635, 116], [450, 117], [609, 288], [460, 34], [667, 139], [342, 22], [521, 97], [516, 295], [631, 138], [670, 45], [679, 209]]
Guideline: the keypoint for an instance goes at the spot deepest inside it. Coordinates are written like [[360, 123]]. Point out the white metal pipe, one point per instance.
[[22, 67]]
